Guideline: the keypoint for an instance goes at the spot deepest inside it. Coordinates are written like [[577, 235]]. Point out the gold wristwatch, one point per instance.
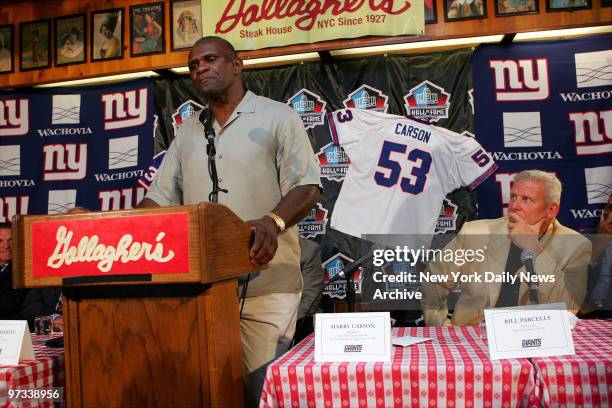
[[280, 223]]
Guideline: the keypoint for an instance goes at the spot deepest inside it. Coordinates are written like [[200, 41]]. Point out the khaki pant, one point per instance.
[[267, 326]]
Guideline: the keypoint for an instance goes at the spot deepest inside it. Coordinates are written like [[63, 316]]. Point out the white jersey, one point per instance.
[[401, 170]]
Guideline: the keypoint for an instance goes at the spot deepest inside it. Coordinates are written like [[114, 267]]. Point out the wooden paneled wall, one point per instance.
[[22, 11]]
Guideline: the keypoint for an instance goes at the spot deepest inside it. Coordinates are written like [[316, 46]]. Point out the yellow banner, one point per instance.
[[255, 24]]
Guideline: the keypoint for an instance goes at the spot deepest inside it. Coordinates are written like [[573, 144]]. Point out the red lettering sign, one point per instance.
[[134, 245], [239, 12]]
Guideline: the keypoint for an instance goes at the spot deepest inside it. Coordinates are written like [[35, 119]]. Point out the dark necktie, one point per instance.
[[509, 294]]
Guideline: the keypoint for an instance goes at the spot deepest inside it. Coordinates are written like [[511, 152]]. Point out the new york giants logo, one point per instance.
[[593, 132], [14, 117], [120, 199], [521, 80], [65, 161], [125, 109], [9, 206], [505, 184]]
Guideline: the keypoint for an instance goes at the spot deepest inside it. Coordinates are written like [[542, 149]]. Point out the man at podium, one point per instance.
[[266, 173]]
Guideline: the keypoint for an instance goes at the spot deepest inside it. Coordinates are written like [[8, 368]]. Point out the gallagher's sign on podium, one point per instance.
[[255, 24], [144, 244]]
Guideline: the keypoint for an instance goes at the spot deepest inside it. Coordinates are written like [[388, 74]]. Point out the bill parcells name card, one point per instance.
[[15, 342], [352, 337], [529, 331]]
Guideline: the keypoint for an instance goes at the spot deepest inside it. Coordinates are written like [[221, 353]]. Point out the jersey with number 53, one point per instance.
[[400, 172]]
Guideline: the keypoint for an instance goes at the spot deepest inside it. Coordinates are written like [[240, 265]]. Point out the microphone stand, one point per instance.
[[206, 117], [347, 272], [528, 259]]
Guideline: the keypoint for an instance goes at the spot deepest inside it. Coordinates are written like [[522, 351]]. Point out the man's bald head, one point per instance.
[[221, 41]]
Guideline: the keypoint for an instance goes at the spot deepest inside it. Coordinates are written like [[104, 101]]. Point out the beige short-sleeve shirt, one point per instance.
[[263, 152]]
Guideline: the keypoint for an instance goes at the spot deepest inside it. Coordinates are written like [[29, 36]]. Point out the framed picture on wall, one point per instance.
[[6, 48], [455, 10], [563, 5], [515, 7], [147, 29], [107, 34], [186, 23], [34, 45], [431, 16], [70, 45]]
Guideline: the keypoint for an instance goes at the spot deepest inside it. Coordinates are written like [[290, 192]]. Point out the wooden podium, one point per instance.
[[133, 338]]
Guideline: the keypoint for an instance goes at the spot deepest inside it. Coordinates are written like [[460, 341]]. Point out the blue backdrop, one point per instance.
[[74, 147], [547, 105]]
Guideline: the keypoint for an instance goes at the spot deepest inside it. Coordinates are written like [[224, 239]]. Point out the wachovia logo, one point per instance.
[[90, 249]]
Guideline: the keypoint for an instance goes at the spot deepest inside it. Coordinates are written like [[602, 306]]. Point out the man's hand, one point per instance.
[[265, 241], [77, 210], [524, 236]]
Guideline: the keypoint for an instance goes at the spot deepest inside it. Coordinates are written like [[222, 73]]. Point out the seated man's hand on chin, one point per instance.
[[524, 235]]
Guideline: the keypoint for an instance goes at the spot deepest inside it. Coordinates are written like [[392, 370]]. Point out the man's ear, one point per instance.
[[552, 210], [238, 65]]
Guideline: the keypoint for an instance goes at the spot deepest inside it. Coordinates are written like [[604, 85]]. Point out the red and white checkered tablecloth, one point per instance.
[[46, 372], [584, 379], [452, 370]]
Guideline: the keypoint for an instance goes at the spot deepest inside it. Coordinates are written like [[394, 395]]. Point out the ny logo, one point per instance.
[[14, 120], [505, 184], [125, 109], [120, 199], [65, 161], [593, 132], [9, 206], [510, 85]]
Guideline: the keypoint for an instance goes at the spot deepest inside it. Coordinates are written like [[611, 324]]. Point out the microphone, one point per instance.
[[349, 269], [528, 259], [207, 119]]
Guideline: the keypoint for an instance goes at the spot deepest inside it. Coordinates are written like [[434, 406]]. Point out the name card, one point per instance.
[[529, 331], [352, 337], [15, 342]]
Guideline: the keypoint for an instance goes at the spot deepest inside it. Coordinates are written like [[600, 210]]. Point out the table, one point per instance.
[[47, 371], [451, 370], [584, 379]]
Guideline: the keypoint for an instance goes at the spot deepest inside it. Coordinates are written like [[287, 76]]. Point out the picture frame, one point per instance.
[[186, 23], [505, 8], [568, 5], [35, 45], [107, 34], [431, 14], [457, 10], [7, 33], [70, 40], [147, 29]]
